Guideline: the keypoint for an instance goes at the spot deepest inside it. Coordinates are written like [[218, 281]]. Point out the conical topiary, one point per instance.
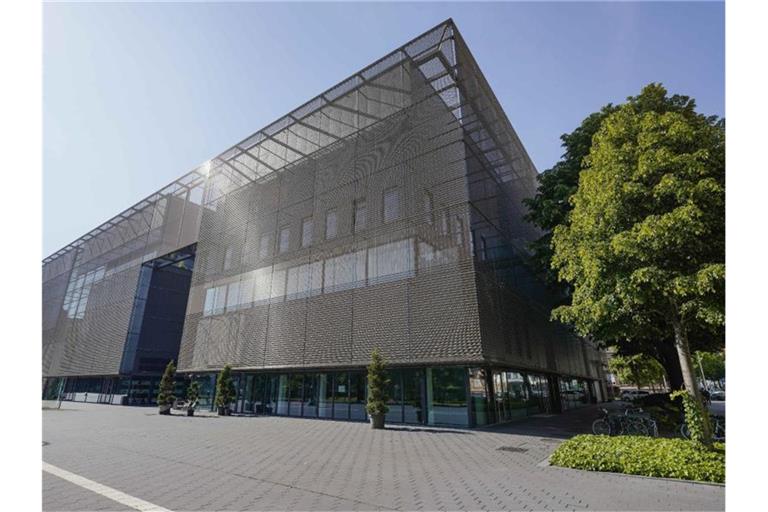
[[193, 395], [165, 396], [225, 390], [377, 389]]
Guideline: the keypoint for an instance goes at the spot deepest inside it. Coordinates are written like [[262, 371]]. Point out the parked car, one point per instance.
[[630, 395], [717, 395]]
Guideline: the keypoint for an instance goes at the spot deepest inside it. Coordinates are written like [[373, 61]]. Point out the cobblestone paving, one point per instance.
[[269, 463]]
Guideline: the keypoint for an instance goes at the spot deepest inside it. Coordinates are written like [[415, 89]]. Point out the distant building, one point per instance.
[[385, 212]]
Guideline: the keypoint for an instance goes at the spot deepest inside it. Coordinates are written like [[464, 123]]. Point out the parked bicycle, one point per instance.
[[717, 424], [634, 422], [648, 421]]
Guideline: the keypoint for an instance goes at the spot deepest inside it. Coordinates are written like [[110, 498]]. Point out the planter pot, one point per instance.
[[190, 412], [222, 411], [377, 421], [164, 410]]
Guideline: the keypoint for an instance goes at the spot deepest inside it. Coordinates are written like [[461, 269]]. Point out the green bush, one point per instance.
[[648, 456]]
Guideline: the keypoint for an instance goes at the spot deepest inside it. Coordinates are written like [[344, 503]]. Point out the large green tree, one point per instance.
[[552, 203], [644, 246]]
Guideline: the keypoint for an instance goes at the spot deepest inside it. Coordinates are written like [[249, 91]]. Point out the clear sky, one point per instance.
[[135, 95]]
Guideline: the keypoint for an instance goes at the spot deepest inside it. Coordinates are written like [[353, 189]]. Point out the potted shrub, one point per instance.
[[193, 395], [225, 391], [165, 396], [377, 389]]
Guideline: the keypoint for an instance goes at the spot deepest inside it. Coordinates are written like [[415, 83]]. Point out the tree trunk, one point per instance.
[[669, 359], [689, 376]]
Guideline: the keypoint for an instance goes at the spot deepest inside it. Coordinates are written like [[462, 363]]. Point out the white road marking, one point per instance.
[[108, 492]]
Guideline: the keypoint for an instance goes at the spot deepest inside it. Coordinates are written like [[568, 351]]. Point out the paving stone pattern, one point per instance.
[[271, 463]]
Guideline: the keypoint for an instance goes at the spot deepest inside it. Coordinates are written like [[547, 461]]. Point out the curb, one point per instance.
[[545, 463]]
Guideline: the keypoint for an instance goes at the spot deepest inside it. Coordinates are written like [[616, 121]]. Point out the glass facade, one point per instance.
[[453, 396]]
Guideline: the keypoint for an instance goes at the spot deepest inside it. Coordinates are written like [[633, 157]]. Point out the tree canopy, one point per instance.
[[644, 245], [639, 369]]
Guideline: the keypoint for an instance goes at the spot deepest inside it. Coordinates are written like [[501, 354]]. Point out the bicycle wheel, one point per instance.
[[601, 427], [635, 427]]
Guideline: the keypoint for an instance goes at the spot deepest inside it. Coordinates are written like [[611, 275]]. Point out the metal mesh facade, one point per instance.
[[385, 212], [89, 286]]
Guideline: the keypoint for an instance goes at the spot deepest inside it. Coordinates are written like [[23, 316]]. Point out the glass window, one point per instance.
[[295, 393], [278, 285], [428, 217], [310, 402], [233, 296], [210, 298], [394, 397], [412, 396], [344, 272], [447, 396], [306, 232], [262, 284], [359, 215], [246, 290], [330, 224], [285, 239], [265, 246], [390, 261], [325, 395], [444, 222], [220, 299], [478, 393], [341, 396], [282, 395], [357, 396], [304, 279], [458, 234], [391, 204]]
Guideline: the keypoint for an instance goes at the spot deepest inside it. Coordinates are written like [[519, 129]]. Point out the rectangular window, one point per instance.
[[330, 224], [262, 284], [390, 261], [306, 232], [228, 258], [428, 217], [233, 296], [265, 246], [210, 297], [344, 272], [285, 239], [359, 213], [391, 205], [444, 223], [220, 300], [458, 233]]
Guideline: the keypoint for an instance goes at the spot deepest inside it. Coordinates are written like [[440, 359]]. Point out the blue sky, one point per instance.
[[135, 95]]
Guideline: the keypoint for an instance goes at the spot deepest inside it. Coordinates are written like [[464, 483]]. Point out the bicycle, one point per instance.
[[651, 427], [622, 424]]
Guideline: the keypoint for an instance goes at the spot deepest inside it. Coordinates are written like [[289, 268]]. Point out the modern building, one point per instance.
[[385, 212]]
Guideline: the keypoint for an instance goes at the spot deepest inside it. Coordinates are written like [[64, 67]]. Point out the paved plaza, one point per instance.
[[272, 463]]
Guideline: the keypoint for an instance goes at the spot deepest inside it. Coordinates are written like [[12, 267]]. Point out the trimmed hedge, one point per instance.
[[647, 456]]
